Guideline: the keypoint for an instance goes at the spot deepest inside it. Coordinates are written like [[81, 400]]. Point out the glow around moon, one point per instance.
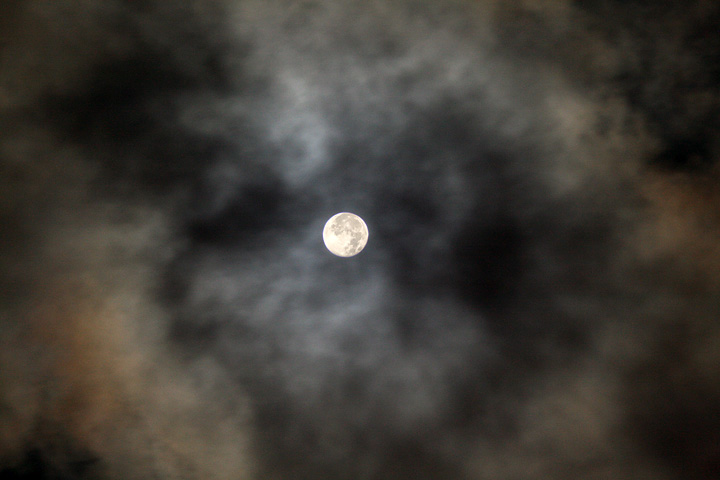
[[345, 234]]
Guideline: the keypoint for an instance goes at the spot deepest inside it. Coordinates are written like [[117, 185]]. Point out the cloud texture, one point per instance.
[[538, 300]]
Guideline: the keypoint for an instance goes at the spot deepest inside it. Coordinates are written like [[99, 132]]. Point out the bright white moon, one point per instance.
[[345, 234]]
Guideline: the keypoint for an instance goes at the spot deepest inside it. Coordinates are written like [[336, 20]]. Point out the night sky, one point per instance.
[[539, 298]]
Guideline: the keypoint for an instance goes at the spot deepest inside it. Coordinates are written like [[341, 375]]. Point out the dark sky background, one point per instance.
[[539, 299]]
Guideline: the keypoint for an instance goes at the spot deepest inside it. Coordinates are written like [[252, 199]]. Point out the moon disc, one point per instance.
[[345, 234]]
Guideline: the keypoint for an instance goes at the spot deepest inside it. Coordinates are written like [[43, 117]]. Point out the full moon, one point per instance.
[[345, 234]]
